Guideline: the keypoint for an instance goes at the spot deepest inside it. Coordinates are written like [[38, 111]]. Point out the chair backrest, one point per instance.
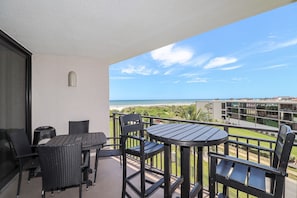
[[131, 123], [60, 166], [20, 141], [77, 127], [283, 147]]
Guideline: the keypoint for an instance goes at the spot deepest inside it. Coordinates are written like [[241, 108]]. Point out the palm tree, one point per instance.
[[190, 113]]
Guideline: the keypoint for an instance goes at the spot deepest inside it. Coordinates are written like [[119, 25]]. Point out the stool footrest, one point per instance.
[[154, 187], [196, 189], [175, 185]]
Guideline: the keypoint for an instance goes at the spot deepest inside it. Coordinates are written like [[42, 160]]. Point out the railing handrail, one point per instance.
[[249, 146], [226, 126], [251, 138]]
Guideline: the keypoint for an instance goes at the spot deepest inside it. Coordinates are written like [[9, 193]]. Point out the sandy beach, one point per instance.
[[121, 107]]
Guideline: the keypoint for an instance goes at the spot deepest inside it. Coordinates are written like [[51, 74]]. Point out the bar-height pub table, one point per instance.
[[186, 136]]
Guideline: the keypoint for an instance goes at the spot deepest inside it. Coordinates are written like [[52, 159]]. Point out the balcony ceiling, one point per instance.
[[114, 30]]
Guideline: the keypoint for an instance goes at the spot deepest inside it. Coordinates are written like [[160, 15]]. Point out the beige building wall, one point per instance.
[[217, 110], [202, 105], [214, 108], [54, 103]]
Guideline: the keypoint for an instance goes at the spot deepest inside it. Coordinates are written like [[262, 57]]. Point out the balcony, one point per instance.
[[110, 171], [90, 49]]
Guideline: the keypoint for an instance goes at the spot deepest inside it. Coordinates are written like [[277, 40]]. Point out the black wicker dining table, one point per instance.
[[89, 141], [186, 136]]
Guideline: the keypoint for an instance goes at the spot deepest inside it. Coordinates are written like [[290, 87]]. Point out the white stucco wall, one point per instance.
[[54, 103]]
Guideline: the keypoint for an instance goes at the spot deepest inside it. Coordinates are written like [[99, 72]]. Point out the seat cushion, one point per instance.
[[150, 149]]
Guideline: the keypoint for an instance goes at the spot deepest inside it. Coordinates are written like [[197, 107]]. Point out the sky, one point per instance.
[[252, 58]]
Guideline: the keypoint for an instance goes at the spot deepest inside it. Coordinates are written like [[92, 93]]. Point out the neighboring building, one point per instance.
[[267, 112], [212, 107]]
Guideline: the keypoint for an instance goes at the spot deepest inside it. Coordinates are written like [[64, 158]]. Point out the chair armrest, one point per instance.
[[109, 145], [27, 155], [249, 163], [134, 137], [112, 144], [86, 162]]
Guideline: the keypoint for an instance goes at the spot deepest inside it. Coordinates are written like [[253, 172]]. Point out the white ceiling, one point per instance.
[[114, 30]]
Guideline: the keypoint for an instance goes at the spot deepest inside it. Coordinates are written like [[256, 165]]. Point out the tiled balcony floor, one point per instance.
[[109, 184]]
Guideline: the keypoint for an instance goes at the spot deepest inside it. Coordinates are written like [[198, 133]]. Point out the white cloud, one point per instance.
[[193, 78], [231, 68], [237, 79], [141, 70], [272, 67], [168, 72], [200, 60], [288, 43], [197, 80], [121, 78], [278, 45], [272, 36], [219, 62], [170, 55], [188, 75]]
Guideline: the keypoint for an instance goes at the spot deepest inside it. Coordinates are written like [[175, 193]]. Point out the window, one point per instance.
[[15, 89]]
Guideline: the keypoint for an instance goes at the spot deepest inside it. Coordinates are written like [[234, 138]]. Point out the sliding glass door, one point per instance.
[[15, 107]]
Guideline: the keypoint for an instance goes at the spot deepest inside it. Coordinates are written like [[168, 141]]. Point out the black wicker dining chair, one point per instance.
[[250, 177], [132, 131], [77, 127], [61, 167], [27, 159]]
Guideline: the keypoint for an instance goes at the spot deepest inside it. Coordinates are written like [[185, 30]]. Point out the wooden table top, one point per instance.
[[187, 134]]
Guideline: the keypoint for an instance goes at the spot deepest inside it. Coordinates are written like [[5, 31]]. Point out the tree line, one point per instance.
[[187, 112]]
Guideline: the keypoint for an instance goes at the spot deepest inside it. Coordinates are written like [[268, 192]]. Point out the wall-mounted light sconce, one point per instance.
[[72, 79]]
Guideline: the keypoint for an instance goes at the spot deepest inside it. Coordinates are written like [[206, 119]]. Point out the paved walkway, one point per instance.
[[250, 124]]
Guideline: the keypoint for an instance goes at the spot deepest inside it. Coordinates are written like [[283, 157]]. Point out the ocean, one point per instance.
[[119, 104]]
